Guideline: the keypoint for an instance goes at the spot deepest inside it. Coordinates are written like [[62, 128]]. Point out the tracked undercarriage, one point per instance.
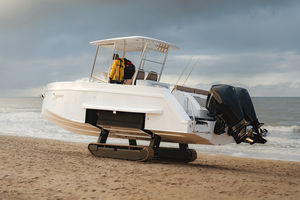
[[136, 152]]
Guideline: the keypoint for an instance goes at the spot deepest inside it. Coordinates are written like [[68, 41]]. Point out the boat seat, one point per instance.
[[139, 76], [152, 76]]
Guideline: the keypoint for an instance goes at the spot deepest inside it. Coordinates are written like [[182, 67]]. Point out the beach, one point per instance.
[[33, 168]]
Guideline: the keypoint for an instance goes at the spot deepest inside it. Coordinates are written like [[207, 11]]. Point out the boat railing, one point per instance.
[[190, 90], [153, 61]]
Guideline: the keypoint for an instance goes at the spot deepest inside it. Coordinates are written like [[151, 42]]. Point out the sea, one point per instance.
[[281, 115]]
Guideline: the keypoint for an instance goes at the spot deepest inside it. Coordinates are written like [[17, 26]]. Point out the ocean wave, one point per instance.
[[20, 117], [290, 129]]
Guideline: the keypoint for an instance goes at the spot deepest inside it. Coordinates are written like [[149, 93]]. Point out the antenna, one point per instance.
[[184, 70], [191, 71]]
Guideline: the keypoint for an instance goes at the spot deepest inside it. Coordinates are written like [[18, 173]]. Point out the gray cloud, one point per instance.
[[44, 41]]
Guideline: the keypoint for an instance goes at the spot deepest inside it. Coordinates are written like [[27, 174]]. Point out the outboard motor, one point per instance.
[[232, 107], [247, 107]]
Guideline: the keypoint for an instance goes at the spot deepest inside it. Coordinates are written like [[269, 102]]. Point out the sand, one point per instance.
[[46, 169]]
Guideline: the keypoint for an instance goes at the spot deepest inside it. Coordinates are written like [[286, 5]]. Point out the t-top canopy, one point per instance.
[[135, 43]]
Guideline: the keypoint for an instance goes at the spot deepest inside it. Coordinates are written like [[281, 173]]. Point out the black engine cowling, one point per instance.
[[233, 108]]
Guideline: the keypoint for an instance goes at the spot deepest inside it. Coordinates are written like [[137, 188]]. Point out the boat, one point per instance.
[[144, 108]]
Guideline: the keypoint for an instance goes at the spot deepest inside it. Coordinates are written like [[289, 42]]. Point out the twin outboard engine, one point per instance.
[[232, 108]]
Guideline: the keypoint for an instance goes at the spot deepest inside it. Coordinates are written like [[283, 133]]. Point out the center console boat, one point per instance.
[[144, 108]]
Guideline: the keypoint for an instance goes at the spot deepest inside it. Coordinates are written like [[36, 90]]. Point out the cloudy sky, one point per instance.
[[249, 43]]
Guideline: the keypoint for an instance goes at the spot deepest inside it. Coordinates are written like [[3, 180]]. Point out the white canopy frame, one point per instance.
[[135, 44]]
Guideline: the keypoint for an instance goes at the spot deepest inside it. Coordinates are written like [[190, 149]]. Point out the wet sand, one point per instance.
[[47, 169]]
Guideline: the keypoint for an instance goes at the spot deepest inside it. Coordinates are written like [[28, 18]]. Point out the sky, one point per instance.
[[247, 43]]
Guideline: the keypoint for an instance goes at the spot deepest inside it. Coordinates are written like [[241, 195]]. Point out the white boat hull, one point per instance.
[[66, 103]]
